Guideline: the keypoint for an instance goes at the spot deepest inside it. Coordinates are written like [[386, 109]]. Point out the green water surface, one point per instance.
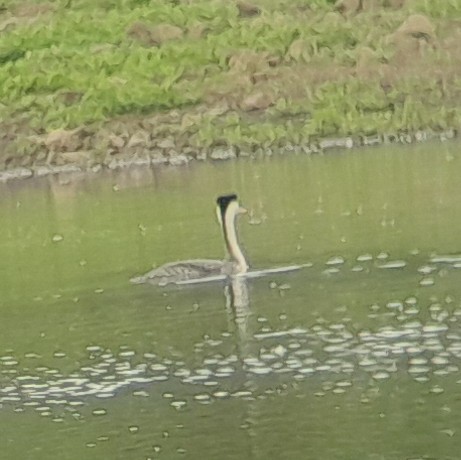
[[354, 357]]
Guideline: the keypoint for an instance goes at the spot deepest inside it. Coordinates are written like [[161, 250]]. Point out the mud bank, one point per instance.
[[221, 154]]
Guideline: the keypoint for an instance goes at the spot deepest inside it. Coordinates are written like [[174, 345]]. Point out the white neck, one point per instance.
[[230, 235]]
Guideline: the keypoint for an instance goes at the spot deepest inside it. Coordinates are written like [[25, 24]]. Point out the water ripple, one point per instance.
[[423, 349]]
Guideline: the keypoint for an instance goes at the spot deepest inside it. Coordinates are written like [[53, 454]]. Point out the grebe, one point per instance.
[[227, 210]]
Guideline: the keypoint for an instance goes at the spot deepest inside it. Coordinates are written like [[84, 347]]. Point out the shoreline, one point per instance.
[[168, 83], [227, 153]]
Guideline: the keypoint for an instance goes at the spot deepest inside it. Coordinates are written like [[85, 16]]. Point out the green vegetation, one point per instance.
[[160, 77]]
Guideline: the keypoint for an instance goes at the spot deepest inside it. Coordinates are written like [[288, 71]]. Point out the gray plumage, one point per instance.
[[185, 270]]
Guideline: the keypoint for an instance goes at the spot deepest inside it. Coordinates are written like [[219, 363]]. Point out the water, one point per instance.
[[357, 355]]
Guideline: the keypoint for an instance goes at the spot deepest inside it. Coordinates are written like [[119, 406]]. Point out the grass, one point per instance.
[[79, 63]]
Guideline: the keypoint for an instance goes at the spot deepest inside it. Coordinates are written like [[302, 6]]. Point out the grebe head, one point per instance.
[[228, 204]]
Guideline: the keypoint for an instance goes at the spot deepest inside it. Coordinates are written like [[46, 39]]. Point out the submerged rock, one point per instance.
[[17, 173], [223, 154]]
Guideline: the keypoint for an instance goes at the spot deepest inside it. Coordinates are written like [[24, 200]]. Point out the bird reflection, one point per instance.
[[236, 292]]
